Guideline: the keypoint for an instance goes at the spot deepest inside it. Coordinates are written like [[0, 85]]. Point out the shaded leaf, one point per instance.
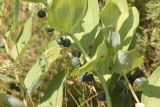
[[53, 97]]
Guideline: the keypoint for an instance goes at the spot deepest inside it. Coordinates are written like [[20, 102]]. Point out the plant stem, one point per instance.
[[101, 78], [81, 47], [132, 91]]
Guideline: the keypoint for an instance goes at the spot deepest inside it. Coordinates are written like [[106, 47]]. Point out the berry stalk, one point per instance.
[[108, 98], [81, 47], [131, 89]]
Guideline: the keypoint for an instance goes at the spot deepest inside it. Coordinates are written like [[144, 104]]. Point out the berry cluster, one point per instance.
[[64, 42], [101, 96], [119, 85], [76, 58], [87, 77]]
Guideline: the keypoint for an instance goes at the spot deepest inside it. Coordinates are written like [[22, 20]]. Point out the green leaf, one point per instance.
[[129, 26], [10, 101], [36, 1], [43, 64], [114, 39], [120, 101], [151, 93], [19, 48], [96, 60], [65, 15], [53, 97], [115, 13], [126, 61], [6, 78], [91, 19]]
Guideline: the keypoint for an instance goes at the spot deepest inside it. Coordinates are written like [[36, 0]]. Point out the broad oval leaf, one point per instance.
[[126, 61], [151, 93], [115, 13], [10, 101], [92, 16], [19, 48], [96, 60], [129, 26], [65, 15], [39, 69], [53, 97], [36, 1]]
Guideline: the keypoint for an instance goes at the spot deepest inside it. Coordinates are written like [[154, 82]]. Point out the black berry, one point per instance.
[[75, 61], [101, 97], [49, 28], [119, 85], [60, 41], [87, 77], [125, 95], [41, 13], [13, 86], [66, 43], [76, 53]]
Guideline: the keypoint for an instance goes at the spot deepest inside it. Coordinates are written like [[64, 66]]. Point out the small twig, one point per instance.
[[131, 89]]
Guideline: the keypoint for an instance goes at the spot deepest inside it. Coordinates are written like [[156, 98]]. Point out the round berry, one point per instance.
[[75, 61], [125, 95], [60, 41], [41, 13], [48, 28], [101, 97], [66, 43], [119, 85], [87, 77], [13, 86], [2, 45], [76, 53]]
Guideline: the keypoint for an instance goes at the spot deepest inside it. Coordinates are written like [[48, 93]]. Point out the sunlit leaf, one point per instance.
[[96, 60], [43, 64], [10, 101], [65, 15], [126, 61], [115, 13], [19, 48], [151, 93], [129, 26], [6, 78]]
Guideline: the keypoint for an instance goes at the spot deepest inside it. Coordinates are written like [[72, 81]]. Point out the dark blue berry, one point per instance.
[[60, 41], [75, 61], [13, 86], [41, 13], [66, 43], [101, 97], [87, 77], [76, 53], [125, 95], [49, 28], [119, 85]]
